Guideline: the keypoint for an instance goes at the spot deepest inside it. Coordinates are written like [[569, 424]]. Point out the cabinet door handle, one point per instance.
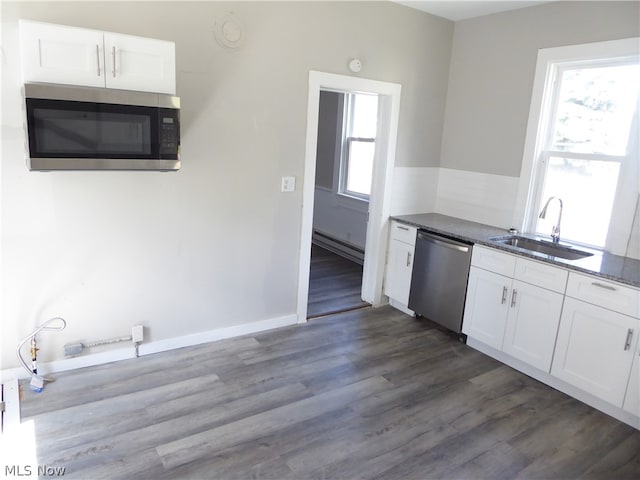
[[627, 343], [505, 290], [602, 285], [408, 259], [514, 295], [403, 228], [113, 60], [98, 57]]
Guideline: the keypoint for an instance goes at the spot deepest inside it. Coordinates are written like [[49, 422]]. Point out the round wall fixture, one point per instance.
[[355, 65], [228, 31]]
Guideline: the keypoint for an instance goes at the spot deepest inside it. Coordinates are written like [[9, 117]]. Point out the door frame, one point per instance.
[[381, 188]]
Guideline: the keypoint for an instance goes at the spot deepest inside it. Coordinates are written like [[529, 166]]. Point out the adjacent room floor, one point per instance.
[[370, 393], [335, 283]]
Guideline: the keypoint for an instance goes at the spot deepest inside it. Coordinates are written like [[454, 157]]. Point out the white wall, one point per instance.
[[216, 244]]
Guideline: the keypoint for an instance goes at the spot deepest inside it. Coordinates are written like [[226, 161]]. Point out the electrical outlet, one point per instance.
[[288, 184], [71, 349], [137, 333]]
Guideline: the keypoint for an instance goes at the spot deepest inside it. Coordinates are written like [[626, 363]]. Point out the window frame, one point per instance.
[[550, 64], [347, 140]]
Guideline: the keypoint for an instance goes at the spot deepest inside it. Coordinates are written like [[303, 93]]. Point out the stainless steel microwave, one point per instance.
[[82, 128]]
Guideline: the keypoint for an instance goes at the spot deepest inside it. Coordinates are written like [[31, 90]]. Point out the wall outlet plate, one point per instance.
[[288, 184], [137, 333]]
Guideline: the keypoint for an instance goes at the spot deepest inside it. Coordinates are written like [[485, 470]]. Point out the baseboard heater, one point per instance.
[[339, 247]]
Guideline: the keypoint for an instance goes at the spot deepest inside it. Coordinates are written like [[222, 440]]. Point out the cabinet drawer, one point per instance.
[[403, 233], [611, 295], [493, 260], [545, 276]]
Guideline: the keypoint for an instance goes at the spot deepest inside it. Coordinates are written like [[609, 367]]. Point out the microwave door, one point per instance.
[[91, 132], [68, 135]]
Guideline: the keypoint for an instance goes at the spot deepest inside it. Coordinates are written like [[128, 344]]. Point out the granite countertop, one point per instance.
[[602, 264]]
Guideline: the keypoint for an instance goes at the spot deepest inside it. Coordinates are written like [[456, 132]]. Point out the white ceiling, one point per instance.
[[460, 10]]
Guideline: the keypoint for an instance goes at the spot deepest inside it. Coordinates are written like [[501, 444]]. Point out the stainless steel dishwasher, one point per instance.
[[439, 279]]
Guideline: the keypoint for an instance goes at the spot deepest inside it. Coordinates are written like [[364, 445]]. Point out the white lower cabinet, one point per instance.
[[579, 331], [397, 282], [399, 271], [595, 350], [632, 398], [532, 324], [486, 307], [510, 314]]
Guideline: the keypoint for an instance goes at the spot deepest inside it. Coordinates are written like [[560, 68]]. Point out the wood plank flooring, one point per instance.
[[367, 394], [335, 284]]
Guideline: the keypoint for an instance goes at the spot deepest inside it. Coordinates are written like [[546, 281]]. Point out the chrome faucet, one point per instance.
[[555, 231]]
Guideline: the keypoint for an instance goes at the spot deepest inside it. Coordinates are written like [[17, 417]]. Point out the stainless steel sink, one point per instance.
[[541, 246]]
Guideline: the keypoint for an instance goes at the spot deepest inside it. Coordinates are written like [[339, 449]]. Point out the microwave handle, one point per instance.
[[98, 57], [113, 60]]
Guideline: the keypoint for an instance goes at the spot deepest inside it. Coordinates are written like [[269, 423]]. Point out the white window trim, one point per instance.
[[527, 202], [343, 166]]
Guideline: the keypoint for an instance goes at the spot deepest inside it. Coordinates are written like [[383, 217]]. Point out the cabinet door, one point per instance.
[[486, 307], [137, 63], [398, 280], [532, 324], [595, 349], [632, 398], [61, 54]]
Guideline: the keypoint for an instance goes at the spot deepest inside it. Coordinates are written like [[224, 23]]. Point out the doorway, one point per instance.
[[379, 201], [344, 166]]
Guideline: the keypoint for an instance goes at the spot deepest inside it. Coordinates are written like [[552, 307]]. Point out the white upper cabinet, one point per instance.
[[60, 54], [78, 56], [137, 63]]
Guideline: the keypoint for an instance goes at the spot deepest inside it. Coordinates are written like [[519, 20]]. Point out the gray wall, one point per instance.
[[329, 127], [215, 244], [491, 76]]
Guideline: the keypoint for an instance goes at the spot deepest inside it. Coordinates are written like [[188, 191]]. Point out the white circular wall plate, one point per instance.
[[228, 31], [355, 65]]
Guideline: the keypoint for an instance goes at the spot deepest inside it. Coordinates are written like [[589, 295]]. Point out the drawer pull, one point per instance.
[[514, 295], [402, 228], [504, 295], [627, 343], [602, 285]]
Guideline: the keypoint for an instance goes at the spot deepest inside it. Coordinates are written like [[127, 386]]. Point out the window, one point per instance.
[[358, 145], [586, 151]]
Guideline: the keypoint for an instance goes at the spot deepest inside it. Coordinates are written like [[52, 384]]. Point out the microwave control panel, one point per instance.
[[169, 133]]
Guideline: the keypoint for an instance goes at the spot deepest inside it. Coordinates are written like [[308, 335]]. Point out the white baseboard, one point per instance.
[[217, 334], [548, 379], [47, 368], [402, 307]]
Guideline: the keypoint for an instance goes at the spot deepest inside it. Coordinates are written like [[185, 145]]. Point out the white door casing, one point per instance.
[[380, 198]]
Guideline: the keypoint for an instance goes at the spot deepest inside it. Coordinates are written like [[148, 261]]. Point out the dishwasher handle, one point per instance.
[[442, 242]]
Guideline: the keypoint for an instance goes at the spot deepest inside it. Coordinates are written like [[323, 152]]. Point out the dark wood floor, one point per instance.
[[335, 283], [368, 394]]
